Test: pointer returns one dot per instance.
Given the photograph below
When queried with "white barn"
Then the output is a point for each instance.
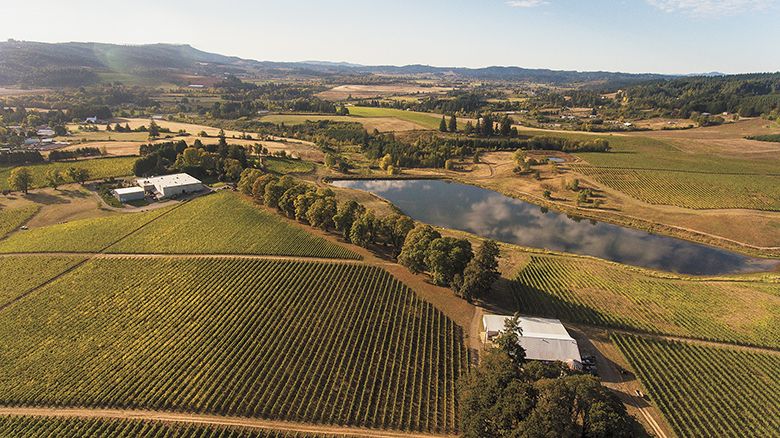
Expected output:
(543, 339)
(168, 186)
(127, 194)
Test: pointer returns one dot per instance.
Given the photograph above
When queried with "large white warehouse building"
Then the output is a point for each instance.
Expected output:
(543, 339)
(168, 186)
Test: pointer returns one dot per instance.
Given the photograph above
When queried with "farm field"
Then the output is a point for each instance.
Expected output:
(226, 223)
(33, 427)
(708, 391)
(426, 120)
(98, 168)
(691, 190)
(312, 342)
(610, 295)
(84, 235)
(284, 166)
(13, 218)
(18, 277)
(343, 92)
(382, 124)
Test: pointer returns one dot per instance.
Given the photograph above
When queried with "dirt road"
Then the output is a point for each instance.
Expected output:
(211, 420)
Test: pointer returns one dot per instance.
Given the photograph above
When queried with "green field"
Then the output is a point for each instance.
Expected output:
(21, 274)
(284, 166)
(98, 168)
(428, 120)
(312, 342)
(86, 235)
(34, 427)
(708, 391)
(226, 223)
(13, 218)
(610, 295)
(691, 190)
(299, 119)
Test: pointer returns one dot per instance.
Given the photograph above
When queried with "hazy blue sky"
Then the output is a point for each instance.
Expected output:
(668, 36)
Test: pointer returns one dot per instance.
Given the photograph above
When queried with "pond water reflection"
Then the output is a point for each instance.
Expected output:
(490, 214)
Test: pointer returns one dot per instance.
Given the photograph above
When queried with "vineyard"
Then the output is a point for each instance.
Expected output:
(332, 343)
(225, 223)
(34, 427)
(18, 277)
(86, 235)
(13, 218)
(691, 190)
(708, 391)
(604, 294)
(98, 168)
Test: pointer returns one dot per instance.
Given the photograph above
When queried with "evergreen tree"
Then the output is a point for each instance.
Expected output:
(443, 125)
(453, 125)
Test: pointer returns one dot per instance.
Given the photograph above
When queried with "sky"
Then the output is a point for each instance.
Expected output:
(659, 36)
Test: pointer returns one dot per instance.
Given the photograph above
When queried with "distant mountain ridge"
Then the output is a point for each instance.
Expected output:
(78, 63)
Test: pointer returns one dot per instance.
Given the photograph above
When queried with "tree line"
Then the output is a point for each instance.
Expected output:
(221, 161)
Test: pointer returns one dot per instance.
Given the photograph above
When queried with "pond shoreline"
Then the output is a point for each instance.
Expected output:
(617, 238)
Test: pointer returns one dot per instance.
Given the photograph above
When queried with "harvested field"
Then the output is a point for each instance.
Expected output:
(342, 92)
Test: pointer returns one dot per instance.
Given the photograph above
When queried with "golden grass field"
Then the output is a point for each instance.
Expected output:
(343, 92)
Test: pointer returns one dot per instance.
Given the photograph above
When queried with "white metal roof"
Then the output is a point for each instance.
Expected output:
(128, 190)
(542, 338)
(177, 179)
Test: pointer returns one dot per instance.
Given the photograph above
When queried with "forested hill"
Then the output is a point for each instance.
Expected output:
(75, 64)
(72, 64)
(746, 94)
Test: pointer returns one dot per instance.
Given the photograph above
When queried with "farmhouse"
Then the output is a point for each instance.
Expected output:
(129, 194)
(168, 186)
(543, 339)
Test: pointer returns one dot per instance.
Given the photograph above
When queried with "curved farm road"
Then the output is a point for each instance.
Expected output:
(209, 420)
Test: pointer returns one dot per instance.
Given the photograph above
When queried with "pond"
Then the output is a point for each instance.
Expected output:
(490, 214)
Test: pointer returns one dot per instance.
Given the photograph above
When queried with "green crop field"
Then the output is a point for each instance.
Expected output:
(226, 223)
(427, 120)
(283, 166)
(691, 190)
(708, 391)
(21, 274)
(98, 168)
(13, 218)
(86, 235)
(61, 427)
(313, 342)
(604, 294)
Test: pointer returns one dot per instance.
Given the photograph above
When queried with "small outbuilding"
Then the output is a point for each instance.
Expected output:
(543, 339)
(127, 194)
(168, 186)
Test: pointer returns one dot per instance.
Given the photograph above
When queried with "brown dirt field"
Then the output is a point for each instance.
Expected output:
(69, 202)
(18, 92)
(381, 124)
(342, 92)
(727, 139)
(115, 148)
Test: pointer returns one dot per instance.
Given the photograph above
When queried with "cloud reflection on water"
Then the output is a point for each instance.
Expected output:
(490, 214)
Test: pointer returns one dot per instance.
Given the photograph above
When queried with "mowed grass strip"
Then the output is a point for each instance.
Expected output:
(63, 427)
(98, 168)
(12, 218)
(21, 274)
(227, 223)
(708, 391)
(691, 190)
(85, 235)
(284, 166)
(604, 294)
(425, 120)
(302, 341)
